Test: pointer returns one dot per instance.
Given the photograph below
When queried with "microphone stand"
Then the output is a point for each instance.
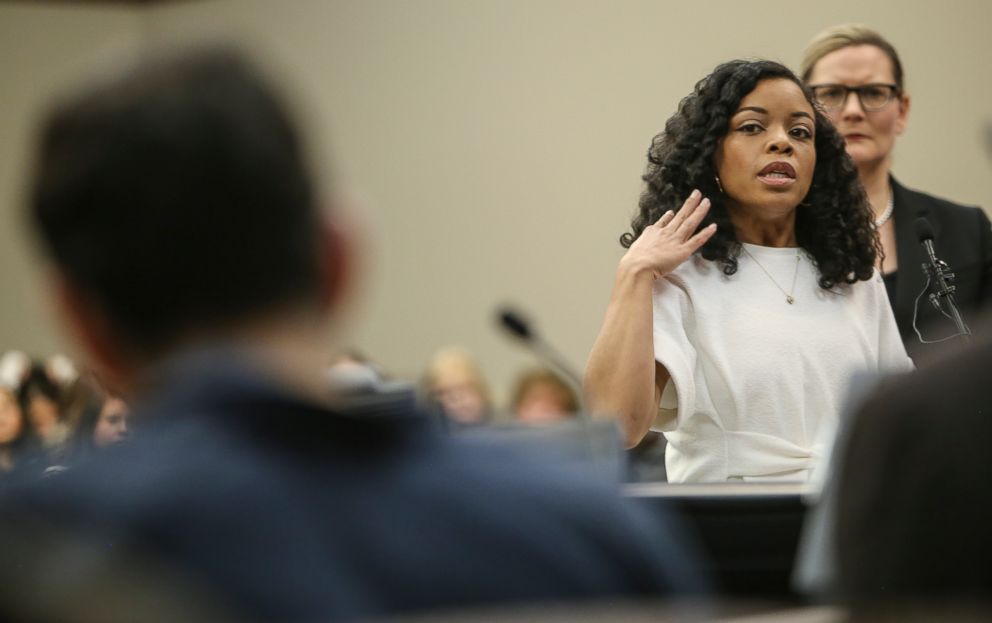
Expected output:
(941, 276)
(517, 326)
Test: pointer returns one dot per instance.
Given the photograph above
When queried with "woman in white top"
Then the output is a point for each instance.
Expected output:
(748, 296)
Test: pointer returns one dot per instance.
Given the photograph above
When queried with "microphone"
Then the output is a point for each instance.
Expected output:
(924, 233)
(939, 274)
(517, 326)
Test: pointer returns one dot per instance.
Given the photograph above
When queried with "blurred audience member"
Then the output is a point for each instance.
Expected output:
(77, 389)
(541, 397)
(41, 400)
(61, 370)
(16, 434)
(455, 382)
(359, 387)
(111, 423)
(248, 495)
(14, 368)
(350, 371)
(104, 422)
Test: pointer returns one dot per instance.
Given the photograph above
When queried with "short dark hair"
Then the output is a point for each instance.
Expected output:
(177, 196)
(833, 224)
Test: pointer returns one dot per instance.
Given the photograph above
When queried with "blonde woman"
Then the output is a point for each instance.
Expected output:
(857, 78)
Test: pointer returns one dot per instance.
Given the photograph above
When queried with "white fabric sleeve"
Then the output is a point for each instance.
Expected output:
(672, 349)
(892, 357)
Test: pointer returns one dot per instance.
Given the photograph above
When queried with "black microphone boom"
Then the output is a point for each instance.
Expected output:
(515, 324)
(518, 327)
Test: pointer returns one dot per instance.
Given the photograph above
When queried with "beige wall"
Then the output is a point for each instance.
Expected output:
(496, 145)
(41, 47)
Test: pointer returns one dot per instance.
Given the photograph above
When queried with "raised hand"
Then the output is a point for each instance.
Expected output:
(663, 246)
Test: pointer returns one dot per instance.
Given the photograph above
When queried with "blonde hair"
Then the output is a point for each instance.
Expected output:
(456, 362)
(843, 36)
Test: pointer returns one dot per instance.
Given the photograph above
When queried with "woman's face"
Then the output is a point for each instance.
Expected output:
(766, 160)
(870, 136)
(460, 397)
(11, 418)
(542, 404)
(111, 426)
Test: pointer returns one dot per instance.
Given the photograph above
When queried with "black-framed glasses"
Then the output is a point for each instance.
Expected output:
(873, 97)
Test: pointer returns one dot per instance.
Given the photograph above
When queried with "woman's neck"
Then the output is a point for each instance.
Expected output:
(875, 179)
(779, 232)
(6, 459)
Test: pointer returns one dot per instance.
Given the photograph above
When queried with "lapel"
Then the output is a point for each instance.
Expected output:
(907, 208)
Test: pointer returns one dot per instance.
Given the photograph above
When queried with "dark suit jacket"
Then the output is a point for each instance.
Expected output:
(239, 500)
(963, 239)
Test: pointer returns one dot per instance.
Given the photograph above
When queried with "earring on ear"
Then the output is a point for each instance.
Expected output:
(718, 184)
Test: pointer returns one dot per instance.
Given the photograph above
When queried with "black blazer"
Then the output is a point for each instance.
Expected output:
(963, 239)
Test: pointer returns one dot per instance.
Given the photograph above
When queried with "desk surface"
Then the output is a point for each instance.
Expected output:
(719, 489)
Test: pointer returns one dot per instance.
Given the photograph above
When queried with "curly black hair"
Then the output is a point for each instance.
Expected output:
(833, 223)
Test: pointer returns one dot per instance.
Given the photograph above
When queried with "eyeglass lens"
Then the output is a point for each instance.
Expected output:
(872, 96)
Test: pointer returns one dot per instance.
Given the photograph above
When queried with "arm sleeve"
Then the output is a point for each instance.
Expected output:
(672, 348)
(892, 357)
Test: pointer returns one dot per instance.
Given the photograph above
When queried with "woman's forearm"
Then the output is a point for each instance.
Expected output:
(621, 376)
(620, 373)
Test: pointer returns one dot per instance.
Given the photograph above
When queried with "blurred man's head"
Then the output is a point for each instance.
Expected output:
(176, 204)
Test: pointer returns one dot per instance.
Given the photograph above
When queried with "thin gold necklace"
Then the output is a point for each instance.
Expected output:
(789, 298)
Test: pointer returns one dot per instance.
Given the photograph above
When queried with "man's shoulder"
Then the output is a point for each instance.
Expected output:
(418, 520)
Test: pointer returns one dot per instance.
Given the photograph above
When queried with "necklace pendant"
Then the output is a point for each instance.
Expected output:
(790, 300)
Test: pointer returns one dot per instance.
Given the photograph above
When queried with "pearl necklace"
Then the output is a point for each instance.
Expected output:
(882, 220)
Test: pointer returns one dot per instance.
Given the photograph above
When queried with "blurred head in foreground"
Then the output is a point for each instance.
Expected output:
(176, 205)
(195, 269)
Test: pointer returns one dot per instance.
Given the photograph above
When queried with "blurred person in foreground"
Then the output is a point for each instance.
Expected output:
(748, 295)
(195, 269)
(857, 78)
(914, 505)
